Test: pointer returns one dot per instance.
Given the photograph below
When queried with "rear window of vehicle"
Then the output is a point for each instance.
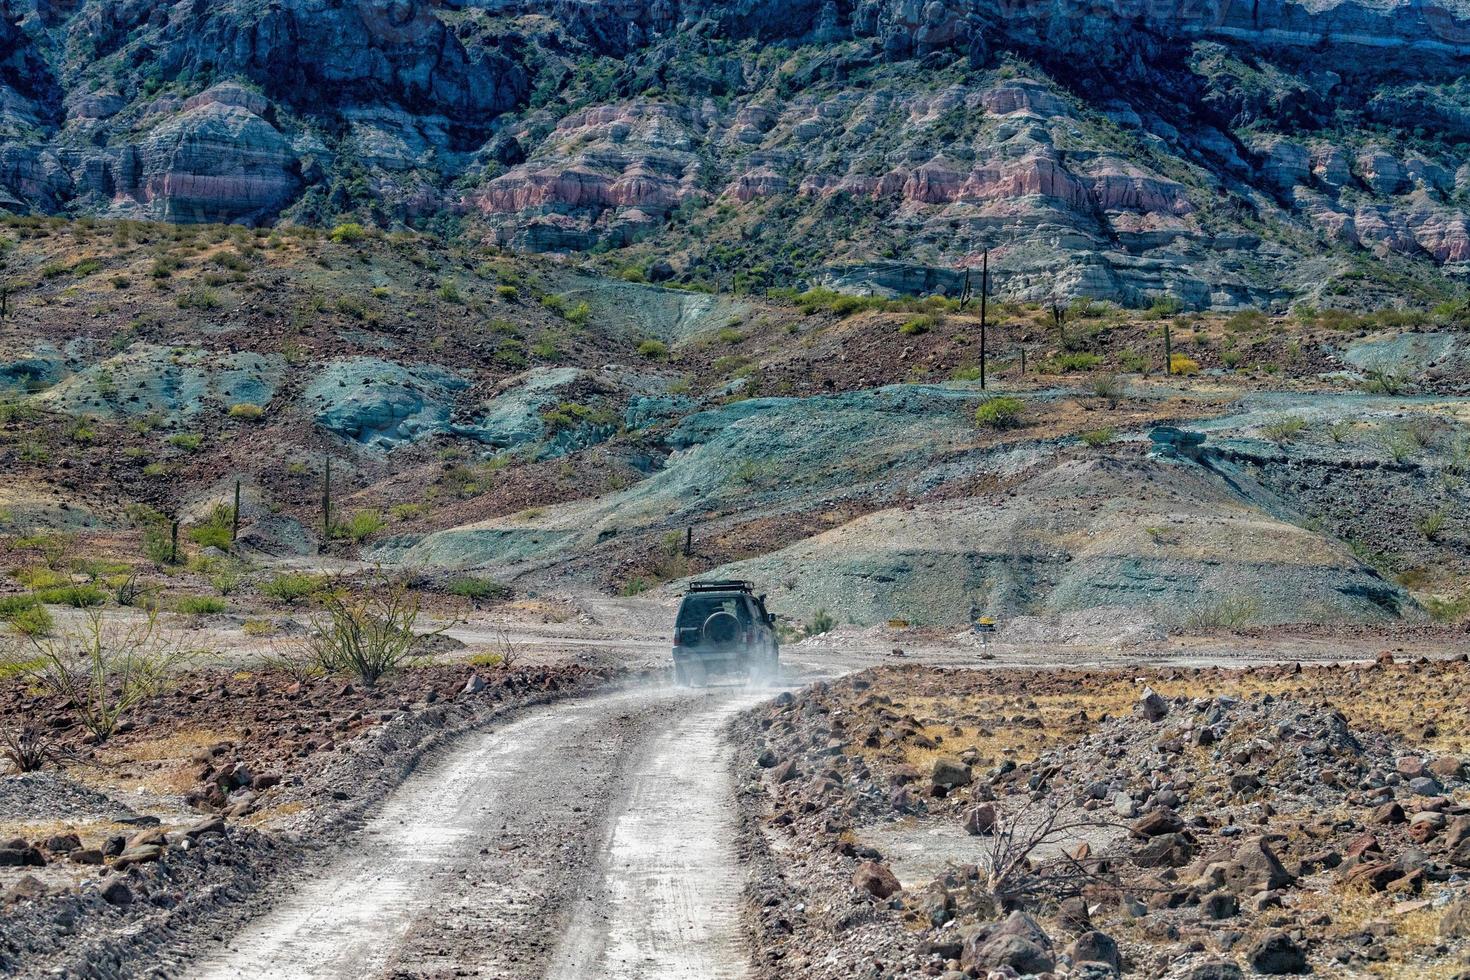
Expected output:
(698, 608)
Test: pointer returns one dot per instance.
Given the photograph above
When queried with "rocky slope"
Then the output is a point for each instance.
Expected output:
(1224, 156)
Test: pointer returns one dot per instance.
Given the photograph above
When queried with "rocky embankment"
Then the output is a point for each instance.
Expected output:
(918, 822)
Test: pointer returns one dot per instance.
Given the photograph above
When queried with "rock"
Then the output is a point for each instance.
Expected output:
(876, 880)
(1151, 707)
(1165, 851)
(86, 856)
(1218, 970)
(1455, 924)
(949, 774)
(21, 857)
(785, 772)
(1254, 867)
(1424, 826)
(1073, 916)
(27, 889)
(138, 855)
(1448, 767)
(1018, 943)
(1374, 876)
(63, 843)
(1219, 905)
(1096, 947)
(206, 827)
(474, 685)
(116, 892)
(1157, 822)
(980, 820)
(1387, 814)
(1277, 953)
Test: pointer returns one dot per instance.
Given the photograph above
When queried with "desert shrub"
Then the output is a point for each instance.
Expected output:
(1097, 438)
(1110, 388)
(360, 526)
(654, 350)
(1284, 428)
(579, 314)
(1247, 321)
(507, 292)
(367, 636)
(569, 415)
(288, 587)
(480, 589)
(449, 292)
(103, 669)
(32, 620)
(1000, 412)
(967, 373)
(821, 622)
(201, 605)
(200, 298)
(247, 412)
(919, 325)
(1431, 525)
(1067, 363)
(41, 578)
(76, 596)
(1385, 382)
(349, 232)
(187, 441)
(1227, 613)
(1183, 364)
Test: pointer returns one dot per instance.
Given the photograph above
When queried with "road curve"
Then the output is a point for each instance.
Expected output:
(591, 838)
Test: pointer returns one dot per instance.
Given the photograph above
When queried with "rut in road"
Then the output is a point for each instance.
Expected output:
(603, 820)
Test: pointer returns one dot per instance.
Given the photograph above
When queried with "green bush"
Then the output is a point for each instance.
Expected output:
(821, 622)
(360, 526)
(187, 441)
(480, 589)
(35, 621)
(654, 350)
(201, 605)
(247, 412)
(1097, 438)
(507, 292)
(919, 325)
(288, 587)
(77, 596)
(1068, 363)
(350, 231)
(215, 532)
(1001, 412)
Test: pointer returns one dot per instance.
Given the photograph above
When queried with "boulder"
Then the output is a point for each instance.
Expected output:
(980, 820)
(1275, 954)
(1018, 943)
(1096, 947)
(1157, 822)
(949, 774)
(876, 880)
(117, 892)
(1455, 924)
(1151, 707)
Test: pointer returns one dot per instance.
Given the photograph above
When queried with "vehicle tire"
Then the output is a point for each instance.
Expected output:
(721, 629)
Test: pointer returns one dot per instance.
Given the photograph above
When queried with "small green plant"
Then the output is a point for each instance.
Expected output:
(245, 411)
(187, 441)
(480, 589)
(919, 325)
(290, 587)
(201, 605)
(1000, 412)
(1069, 363)
(76, 596)
(508, 293)
(34, 620)
(654, 350)
(1226, 613)
(1110, 388)
(449, 292)
(1284, 429)
(201, 298)
(579, 315)
(1432, 525)
(820, 623)
(360, 526)
(1097, 438)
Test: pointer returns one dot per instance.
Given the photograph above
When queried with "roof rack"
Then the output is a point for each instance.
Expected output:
(732, 585)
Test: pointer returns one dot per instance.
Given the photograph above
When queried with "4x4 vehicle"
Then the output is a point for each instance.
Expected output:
(723, 628)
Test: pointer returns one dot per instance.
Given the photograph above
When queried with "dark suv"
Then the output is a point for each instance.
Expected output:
(724, 628)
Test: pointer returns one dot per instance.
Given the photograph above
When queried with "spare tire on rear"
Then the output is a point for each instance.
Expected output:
(720, 629)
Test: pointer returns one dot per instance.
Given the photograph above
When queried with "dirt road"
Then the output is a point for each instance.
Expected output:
(588, 839)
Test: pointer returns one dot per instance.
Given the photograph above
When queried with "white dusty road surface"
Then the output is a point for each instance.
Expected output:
(588, 839)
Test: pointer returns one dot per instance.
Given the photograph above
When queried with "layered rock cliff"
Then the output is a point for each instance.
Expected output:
(1221, 153)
